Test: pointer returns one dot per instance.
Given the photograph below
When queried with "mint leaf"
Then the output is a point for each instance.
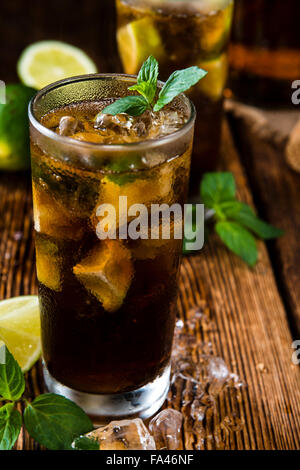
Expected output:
(85, 443)
(149, 71)
(238, 240)
(146, 86)
(12, 383)
(178, 82)
(144, 89)
(235, 220)
(54, 421)
(133, 105)
(10, 426)
(217, 187)
(242, 213)
(147, 79)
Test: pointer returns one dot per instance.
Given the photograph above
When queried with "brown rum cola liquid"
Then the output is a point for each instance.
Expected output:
(107, 307)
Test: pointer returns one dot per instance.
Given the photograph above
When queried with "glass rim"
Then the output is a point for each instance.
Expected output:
(134, 146)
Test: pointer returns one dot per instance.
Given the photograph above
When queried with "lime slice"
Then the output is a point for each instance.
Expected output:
(137, 41)
(45, 62)
(20, 329)
(213, 84)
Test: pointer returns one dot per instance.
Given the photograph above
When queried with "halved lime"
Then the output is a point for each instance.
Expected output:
(45, 62)
(14, 133)
(20, 329)
(137, 41)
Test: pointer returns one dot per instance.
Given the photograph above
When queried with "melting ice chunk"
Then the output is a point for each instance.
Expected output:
(166, 429)
(106, 272)
(140, 191)
(51, 217)
(128, 434)
(148, 125)
(120, 124)
(217, 374)
(69, 125)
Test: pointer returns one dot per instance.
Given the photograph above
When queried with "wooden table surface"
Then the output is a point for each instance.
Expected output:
(248, 317)
(236, 313)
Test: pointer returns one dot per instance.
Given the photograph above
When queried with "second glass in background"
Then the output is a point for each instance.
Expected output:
(182, 34)
(265, 51)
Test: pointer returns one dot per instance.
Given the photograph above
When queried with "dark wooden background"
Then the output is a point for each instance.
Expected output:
(248, 317)
(88, 24)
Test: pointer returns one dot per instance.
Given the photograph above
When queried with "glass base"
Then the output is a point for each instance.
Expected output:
(142, 403)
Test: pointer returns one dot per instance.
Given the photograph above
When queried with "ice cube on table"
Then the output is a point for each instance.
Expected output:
(217, 374)
(107, 272)
(52, 217)
(128, 434)
(68, 125)
(166, 428)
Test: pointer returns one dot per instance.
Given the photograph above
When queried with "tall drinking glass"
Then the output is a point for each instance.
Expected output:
(107, 305)
(182, 34)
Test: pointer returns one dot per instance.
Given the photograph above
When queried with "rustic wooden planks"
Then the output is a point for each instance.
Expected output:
(276, 190)
(242, 315)
(242, 319)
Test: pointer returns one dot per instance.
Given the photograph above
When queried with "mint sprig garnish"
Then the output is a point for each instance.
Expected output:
(132, 105)
(234, 221)
(147, 80)
(179, 82)
(52, 420)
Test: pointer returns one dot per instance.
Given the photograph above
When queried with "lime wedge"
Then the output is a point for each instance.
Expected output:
(213, 84)
(45, 62)
(20, 329)
(137, 41)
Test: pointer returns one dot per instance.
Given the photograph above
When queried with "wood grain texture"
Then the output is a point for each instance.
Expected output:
(89, 25)
(228, 310)
(276, 189)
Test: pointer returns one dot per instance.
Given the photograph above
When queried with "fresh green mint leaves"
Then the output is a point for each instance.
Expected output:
(12, 383)
(146, 86)
(10, 426)
(235, 222)
(86, 443)
(178, 82)
(52, 420)
(132, 105)
(147, 80)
